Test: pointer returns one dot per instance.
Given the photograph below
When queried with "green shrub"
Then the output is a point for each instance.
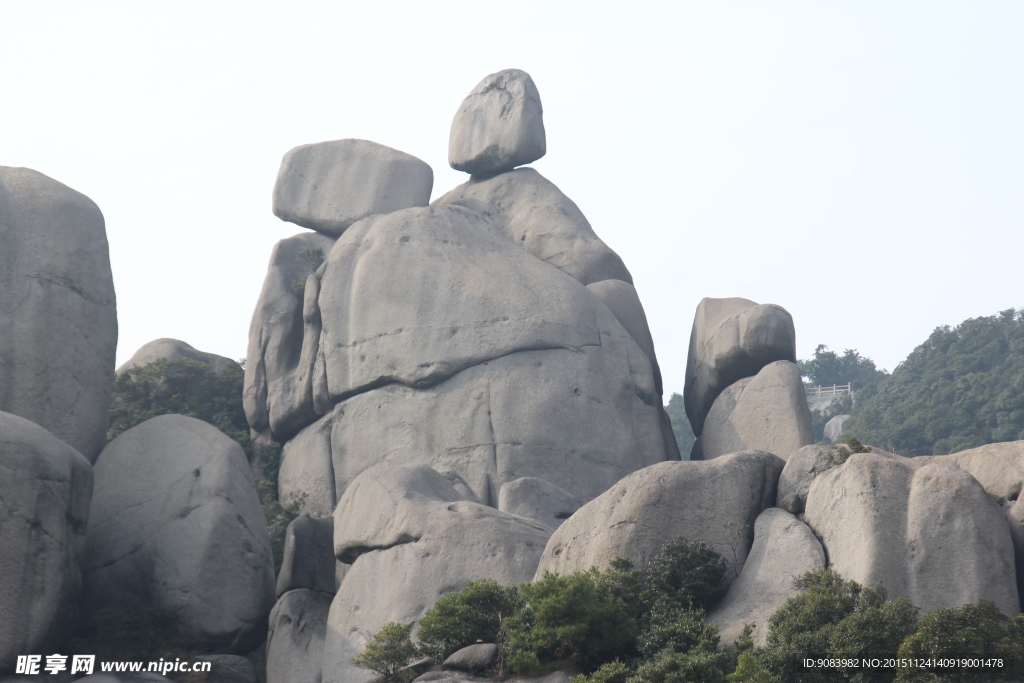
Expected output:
(572, 619)
(695, 666)
(685, 574)
(390, 650)
(749, 670)
(838, 456)
(676, 629)
(459, 619)
(612, 672)
(979, 630)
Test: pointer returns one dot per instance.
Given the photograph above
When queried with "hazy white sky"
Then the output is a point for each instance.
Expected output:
(859, 163)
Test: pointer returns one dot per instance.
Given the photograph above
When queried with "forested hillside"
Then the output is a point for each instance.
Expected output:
(963, 387)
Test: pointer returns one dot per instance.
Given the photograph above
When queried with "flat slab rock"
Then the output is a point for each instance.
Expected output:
(175, 522)
(328, 186)
(57, 309)
(498, 126)
(44, 504)
(645, 510)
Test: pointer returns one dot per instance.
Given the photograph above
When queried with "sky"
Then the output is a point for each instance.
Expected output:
(858, 163)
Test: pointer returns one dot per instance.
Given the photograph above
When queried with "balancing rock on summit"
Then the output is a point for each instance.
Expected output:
(498, 126)
(328, 186)
(58, 319)
(732, 339)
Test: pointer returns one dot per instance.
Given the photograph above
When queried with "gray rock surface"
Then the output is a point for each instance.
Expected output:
(766, 412)
(283, 340)
(929, 533)
(308, 559)
(306, 475)
(388, 505)
(461, 542)
(498, 126)
(229, 669)
(732, 339)
(575, 418)
(784, 549)
(295, 643)
(537, 499)
(328, 186)
(173, 349)
(534, 214)
(44, 504)
(175, 522)
(801, 469)
(715, 501)
(622, 299)
(57, 310)
(477, 657)
(834, 427)
(466, 295)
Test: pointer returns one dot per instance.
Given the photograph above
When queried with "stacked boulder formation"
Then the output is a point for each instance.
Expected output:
(449, 380)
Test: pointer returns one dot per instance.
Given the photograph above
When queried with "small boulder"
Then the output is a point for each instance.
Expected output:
(387, 505)
(295, 643)
(173, 349)
(732, 339)
(765, 412)
(328, 186)
(715, 501)
(44, 504)
(537, 499)
(927, 533)
(498, 126)
(834, 427)
(175, 522)
(784, 549)
(473, 658)
(308, 560)
(57, 310)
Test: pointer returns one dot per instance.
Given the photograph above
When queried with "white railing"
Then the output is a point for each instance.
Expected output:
(833, 390)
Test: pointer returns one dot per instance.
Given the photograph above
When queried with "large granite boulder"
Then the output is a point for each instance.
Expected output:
(537, 499)
(175, 522)
(44, 504)
(460, 542)
(765, 412)
(283, 339)
(58, 319)
(308, 558)
(499, 125)
(533, 213)
(715, 501)
(328, 186)
(306, 475)
(732, 339)
(581, 420)
(803, 466)
(295, 643)
(784, 549)
(624, 302)
(927, 533)
(173, 349)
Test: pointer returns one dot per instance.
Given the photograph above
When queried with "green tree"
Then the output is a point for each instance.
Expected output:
(685, 574)
(390, 650)
(474, 613)
(680, 425)
(827, 368)
(962, 388)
